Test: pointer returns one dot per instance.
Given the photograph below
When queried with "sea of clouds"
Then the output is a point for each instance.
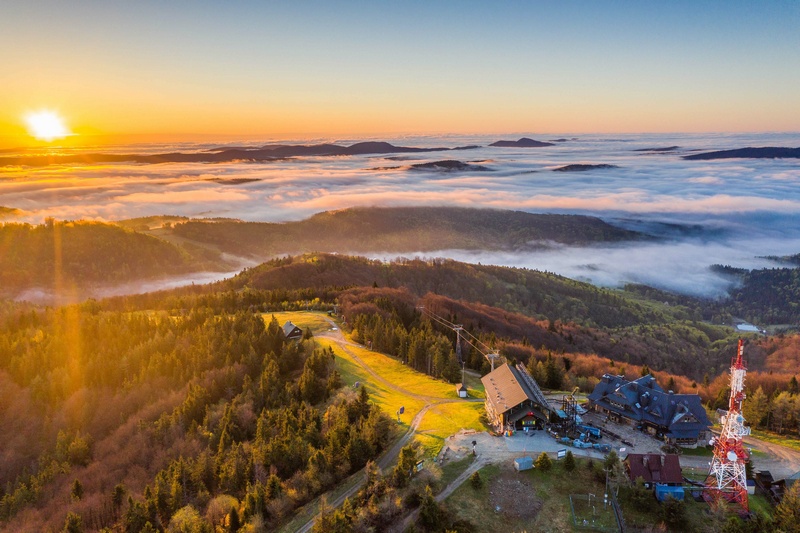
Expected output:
(731, 211)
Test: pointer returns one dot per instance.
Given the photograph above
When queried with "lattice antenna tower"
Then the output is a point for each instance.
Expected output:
(727, 479)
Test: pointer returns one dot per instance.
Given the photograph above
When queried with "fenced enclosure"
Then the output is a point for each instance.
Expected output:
(590, 513)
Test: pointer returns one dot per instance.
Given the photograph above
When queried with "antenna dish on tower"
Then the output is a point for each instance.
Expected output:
(727, 479)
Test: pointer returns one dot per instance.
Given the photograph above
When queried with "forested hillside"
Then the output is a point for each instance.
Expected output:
(765, 296)
(535, 308)
(125, 419)
(67, 255)
(535, 293)
(72, 260)
(77, 258)
(189, 405)
(402, 230)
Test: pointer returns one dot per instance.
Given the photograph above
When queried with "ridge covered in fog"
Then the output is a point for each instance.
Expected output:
(728, 211)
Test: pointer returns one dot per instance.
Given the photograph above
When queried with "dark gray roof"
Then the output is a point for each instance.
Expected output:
(289, 327)
(681, 415)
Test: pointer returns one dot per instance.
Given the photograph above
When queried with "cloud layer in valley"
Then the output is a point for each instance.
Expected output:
(746, 208)
(679, 265)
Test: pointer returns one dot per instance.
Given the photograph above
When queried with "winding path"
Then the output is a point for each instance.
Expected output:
(476, 465)
(338, 338)
(388, 457)
(781, 458)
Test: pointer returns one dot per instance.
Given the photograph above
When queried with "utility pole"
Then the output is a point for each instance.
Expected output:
(492, 356)
(459, 328)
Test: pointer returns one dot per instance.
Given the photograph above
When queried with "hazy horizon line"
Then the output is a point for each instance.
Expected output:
(110, 139)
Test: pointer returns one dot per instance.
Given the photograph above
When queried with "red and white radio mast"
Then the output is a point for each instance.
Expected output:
(726, 478)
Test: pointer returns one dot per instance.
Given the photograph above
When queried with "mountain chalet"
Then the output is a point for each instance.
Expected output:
(679, 419)
(514, 399)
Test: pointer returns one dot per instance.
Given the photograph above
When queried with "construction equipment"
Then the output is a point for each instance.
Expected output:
(590, 431)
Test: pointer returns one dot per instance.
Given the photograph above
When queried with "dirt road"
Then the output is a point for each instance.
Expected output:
(479, 463)
(388, 457)
(781, 461)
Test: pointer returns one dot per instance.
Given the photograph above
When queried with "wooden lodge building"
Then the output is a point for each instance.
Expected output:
(679, 419)
(292, 332)
(514, 399)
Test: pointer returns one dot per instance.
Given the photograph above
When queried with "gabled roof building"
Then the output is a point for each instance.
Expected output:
(514, 399)
(461, 390)
(292, 332)
(677, 418)
(659, 472)
(654, 468)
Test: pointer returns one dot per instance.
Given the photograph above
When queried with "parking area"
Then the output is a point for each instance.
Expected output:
(534, 442)
(502, 447)
(782, 462)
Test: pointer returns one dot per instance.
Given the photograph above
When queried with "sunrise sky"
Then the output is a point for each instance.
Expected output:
(150, 70)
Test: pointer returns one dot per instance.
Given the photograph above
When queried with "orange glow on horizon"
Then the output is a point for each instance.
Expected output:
(162, 122)
(46, 125)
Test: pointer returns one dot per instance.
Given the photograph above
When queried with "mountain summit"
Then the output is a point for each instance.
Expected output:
(523, 142)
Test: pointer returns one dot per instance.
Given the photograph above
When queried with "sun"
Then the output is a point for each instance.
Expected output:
(46, 125)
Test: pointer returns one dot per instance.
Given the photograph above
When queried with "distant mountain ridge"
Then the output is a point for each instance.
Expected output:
(401, 230)
(9, 212)
(67, 256)
(450, 165)
(223, 155)
(767, 152)
(660, 149)
(96, 255)
(582, 317)
(447, 165)
(524, 142)
(552, 295)
(581, 167)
